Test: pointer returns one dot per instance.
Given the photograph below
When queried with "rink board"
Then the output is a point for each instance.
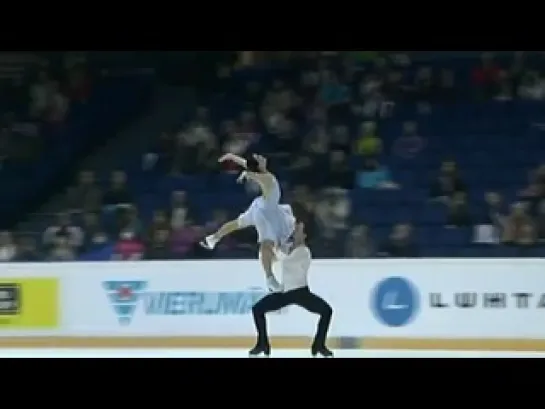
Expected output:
(277, 342)
(377, 304)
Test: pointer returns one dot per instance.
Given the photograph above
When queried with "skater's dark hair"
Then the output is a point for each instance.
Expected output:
(252, 164)
(302, 217)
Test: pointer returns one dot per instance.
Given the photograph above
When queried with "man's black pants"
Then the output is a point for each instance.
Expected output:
(302, 297)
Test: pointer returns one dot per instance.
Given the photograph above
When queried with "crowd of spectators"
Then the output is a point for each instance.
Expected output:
(36, 98)
(300, 121)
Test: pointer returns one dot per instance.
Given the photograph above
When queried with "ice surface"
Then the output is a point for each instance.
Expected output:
(236, 353)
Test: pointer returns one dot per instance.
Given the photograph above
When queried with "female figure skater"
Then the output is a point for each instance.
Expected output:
(295, 282)
(274, 222)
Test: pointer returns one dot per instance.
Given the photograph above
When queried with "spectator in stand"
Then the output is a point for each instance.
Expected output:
(369, 145)
(193, 149)
(281, 100)
(185, 238)
(527, 237)
(400, 244)
(61, 250)
(231, 142)
(285, 142)
(205, 141)
(372, 175)
(339, 174)
(486, 77)
(161, 155)
(63, 234)
(8, 249)
(306, 164)
(26, 251)
(447, 183)
(458, 214)
(369, 102)
(236, 141)
(128, 247)
(335, 96)
(275, 111)
(158, 223)
(332, 92)
(86, 195)
(341, 140)
(517, 224)
(180, 210)
(410, 143)
(118, 194)
(359, 244)
(535, 191)
(490, 229)
(128, 221)
(329, 243)
(248, 127)
(333, 210)
(159, 247)
(95, 235)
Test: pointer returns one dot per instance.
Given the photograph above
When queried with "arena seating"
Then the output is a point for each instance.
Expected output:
(495, 144)
(112, 102)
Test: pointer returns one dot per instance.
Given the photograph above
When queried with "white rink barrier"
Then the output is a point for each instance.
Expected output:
(422, 304)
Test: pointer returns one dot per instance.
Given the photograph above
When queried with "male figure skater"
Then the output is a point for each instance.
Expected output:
(295, 288)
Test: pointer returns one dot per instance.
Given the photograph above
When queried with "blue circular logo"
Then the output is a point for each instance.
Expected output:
(395, 301)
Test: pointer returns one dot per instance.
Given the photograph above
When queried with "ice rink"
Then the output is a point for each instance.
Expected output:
(234, 353)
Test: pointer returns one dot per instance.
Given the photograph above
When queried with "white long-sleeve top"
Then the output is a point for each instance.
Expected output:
(295, 267)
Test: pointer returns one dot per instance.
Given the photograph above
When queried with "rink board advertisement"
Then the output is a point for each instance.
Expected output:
(28, 304)
(374, 301)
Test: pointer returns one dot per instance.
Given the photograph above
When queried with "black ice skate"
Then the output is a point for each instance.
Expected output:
(321, 350)
(260, 349)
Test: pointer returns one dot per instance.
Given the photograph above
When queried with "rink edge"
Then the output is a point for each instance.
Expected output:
(151, 342)
(453, 344)
(515, 345)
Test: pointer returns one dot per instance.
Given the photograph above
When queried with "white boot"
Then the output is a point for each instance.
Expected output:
(209, 242)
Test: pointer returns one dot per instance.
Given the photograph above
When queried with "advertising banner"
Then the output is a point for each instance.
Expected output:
(376, 303)
(29, 303)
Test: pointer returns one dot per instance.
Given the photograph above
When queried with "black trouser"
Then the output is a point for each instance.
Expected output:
(301, 297)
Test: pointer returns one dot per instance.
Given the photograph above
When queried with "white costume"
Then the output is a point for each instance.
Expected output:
(272, 220)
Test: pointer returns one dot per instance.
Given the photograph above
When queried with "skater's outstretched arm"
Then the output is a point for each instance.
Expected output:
(263, 177)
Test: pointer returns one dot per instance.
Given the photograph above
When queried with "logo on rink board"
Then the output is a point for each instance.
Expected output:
(123, 296)
(10, 299)
(395, 301)
(128, 297)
